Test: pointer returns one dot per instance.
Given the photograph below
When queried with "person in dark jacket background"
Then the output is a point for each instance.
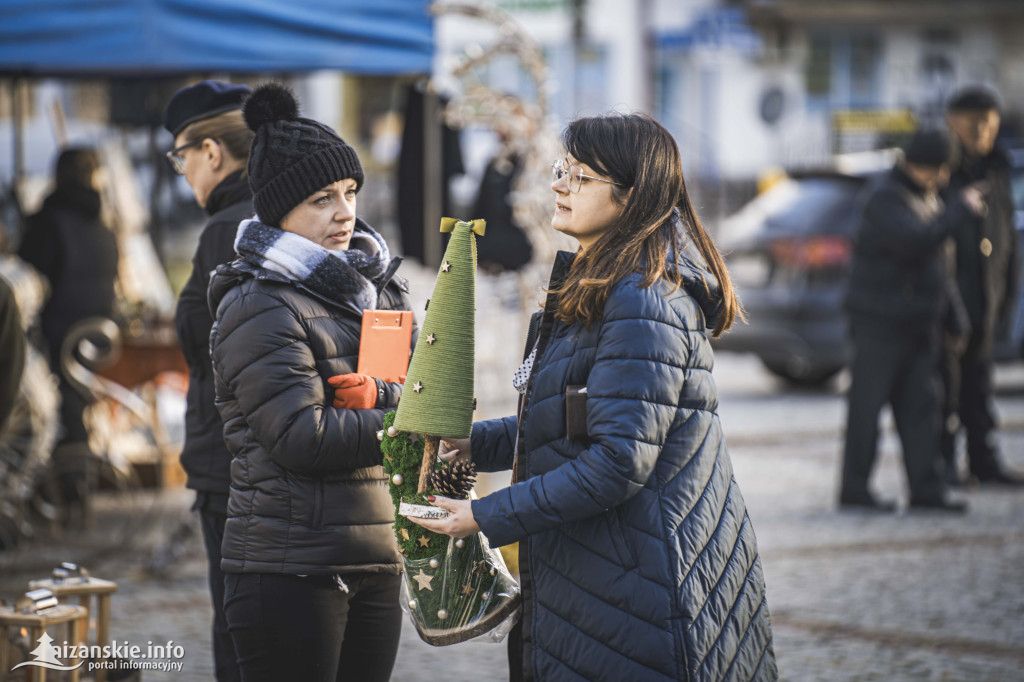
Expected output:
(312, 591)
(69, 244)
(898, 294)
(637, 556)
(507, 247)
(211, 148)
(987, 272)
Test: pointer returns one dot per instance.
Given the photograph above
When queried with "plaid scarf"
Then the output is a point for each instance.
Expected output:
(335, 274)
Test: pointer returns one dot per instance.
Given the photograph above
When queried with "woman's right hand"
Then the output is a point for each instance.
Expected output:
(455, 450)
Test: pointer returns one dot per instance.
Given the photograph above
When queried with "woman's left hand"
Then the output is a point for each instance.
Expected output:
(459, 523)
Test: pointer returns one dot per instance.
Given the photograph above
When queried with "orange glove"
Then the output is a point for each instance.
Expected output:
(354, 391)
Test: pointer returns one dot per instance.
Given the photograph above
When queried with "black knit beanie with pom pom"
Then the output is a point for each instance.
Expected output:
(291, 157)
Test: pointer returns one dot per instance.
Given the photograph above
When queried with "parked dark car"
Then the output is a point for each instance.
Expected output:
(789, 252)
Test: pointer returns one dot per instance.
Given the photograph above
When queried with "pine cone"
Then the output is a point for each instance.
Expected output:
(454, 480)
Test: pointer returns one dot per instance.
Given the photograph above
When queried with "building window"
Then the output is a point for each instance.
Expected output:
(818, 75)
(843, 71)
(581, 80)
(864, 68)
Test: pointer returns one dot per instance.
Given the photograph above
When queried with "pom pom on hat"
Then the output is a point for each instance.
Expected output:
(269, 103)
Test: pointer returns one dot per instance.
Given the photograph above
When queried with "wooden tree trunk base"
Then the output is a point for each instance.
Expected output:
(430, 447)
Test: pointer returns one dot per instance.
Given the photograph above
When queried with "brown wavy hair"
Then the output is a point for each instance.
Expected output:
(228, 129)
(641, 157)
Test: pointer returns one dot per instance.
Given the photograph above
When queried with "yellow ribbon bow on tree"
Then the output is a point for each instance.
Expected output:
(478, 226)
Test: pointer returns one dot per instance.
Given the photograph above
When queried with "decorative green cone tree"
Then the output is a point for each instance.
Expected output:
(458, 589)
(438, 398)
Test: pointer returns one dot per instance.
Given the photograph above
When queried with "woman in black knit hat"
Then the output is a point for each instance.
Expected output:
(312, 584)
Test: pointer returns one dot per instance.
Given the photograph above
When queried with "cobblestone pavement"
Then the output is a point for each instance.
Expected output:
(854, 597)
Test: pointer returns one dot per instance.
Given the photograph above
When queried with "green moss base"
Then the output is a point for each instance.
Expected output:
(403, 454)
(456, 593)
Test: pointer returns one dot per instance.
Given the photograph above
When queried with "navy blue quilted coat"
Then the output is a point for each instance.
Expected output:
(639, 561)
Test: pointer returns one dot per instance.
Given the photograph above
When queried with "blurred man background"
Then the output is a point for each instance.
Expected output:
(987, 268)
(898, 294)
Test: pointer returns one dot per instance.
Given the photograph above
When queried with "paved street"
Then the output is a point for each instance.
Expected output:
(853, 596)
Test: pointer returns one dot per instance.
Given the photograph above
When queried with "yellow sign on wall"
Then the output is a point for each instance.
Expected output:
(882, 121)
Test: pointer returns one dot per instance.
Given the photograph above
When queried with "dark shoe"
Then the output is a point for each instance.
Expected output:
(940, 504)
(865, 502)
(1001, 477)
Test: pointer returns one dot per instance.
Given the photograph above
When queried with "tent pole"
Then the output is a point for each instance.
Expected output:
(433, 179)
(19, 151)
(18, 147)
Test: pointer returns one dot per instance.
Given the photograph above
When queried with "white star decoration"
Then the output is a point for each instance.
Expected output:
(431, 339)
(423, 581)
(417, 387)
(446, 267)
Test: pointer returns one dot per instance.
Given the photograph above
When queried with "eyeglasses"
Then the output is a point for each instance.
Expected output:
(575, 175)
(177, 160)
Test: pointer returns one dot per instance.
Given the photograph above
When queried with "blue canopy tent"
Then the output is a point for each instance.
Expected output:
(150, 45)
(147, 37)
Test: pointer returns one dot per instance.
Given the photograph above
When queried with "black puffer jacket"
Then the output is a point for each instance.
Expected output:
(205, 458)
(308, 493)
(899, 272)
(638, 558)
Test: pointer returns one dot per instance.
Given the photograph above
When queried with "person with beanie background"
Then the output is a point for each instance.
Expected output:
(899, 291)
(211, 147)
(312, 586)
(987, 272)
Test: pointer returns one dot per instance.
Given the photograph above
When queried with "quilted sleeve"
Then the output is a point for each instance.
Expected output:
(262, 361)
(493, 444)
(633, 393)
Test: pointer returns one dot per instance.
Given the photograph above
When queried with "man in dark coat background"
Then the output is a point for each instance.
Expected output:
(898, 294)
(987, 272)
(211, 149)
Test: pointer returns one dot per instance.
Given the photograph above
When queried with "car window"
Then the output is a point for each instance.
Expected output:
(816, 205)
(793, 206)
(1017, 186)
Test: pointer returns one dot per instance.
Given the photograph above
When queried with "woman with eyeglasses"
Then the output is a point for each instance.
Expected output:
(211, 148)
(637, 556)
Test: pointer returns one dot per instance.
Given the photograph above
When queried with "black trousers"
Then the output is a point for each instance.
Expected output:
(73, 460)
(949, 398)
(968, 384)
(286, 627)
(225, 662)
(896, 366)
